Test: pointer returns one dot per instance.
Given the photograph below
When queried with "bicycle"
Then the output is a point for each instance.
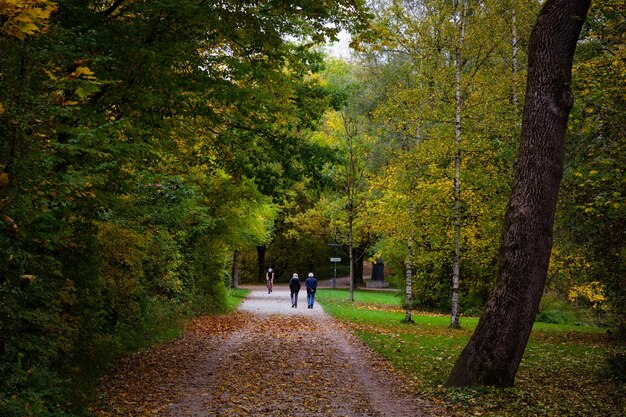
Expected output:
(269, 280)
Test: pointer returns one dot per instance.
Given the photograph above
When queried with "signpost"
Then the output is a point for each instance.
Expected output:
(334, 260)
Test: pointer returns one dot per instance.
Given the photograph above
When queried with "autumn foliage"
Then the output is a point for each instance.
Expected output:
(21, 18)
(142, 143)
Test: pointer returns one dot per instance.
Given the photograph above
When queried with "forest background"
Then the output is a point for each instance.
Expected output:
(150, 149)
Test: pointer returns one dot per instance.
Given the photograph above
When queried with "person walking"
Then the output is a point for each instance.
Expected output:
(294, 286)
(311, 288)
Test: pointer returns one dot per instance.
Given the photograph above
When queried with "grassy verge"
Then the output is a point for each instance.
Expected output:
(235, 297)
(564, 371)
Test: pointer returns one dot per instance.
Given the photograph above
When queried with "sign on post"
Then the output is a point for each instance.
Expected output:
(335, 259)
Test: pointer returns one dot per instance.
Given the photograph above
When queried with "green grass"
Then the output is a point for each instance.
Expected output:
(235, 297)
(564, 371)
(360, 296)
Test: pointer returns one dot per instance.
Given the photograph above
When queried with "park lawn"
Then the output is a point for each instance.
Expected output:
(564, 371)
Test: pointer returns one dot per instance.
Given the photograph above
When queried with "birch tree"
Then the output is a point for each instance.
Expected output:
(458, 68)
(454, 79)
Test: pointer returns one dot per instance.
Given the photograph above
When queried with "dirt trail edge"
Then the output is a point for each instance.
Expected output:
(267, 359)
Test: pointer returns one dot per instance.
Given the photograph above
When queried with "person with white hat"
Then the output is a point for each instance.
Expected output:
(294, 286)
(311, 288)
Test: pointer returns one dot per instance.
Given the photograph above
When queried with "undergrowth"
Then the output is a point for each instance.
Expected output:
(68, 391)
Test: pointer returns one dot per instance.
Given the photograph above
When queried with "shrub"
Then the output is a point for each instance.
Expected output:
(554, 308)
(557, 317)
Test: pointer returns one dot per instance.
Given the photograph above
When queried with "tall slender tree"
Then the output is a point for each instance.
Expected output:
(408, 317)
(461, 16)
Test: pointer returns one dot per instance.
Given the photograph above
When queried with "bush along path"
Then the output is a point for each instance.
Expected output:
(267, 359)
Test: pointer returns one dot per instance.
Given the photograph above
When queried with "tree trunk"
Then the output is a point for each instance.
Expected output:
(514, 63)
(409, 273)
(357, 259)
(16, 127)
(458, 64)
(351, 252)
(234, 283)
(494, 352)
(351, 214)
(260, 251)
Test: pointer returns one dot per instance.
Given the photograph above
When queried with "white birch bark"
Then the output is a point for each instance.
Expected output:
(409, 272)
(514, 62)
(350, 212)
(458, 64)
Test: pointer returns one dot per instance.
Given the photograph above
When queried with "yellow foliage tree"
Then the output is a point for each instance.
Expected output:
(593, 292)
(20, 18)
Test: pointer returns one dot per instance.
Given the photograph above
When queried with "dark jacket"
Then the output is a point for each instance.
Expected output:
(294, 284)
(311, 284)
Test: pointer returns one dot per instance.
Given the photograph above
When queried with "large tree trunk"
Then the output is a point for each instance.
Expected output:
(495, 350)
(260, 251)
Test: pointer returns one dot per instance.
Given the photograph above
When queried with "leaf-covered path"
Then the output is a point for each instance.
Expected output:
(267, 359)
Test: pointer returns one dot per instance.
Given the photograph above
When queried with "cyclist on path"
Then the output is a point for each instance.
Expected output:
(269, 279)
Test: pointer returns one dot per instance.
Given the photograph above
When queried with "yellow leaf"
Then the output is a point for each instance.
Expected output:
(82, 71)
(22, 18)
(51, 75)
(4, 179)
(28, 27)
(29, 278)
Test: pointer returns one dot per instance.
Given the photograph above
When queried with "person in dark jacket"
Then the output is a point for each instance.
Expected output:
(311, 288)
(294, 286)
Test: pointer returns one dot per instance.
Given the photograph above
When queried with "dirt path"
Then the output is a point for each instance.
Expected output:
(268, 359)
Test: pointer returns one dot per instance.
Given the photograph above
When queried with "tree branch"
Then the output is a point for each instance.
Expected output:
(116, 4)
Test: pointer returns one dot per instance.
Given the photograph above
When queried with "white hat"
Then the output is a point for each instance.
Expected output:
(295, 275)
(310, 274)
